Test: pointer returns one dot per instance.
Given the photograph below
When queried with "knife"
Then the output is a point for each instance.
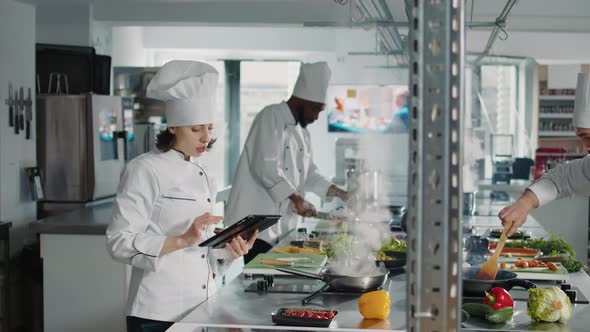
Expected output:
(21, 112)
(325, 215)
(10, 102)
(28, 114)
(15, 112)
(276, 262)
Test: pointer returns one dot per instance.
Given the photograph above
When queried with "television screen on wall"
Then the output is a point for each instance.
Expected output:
(366, 108)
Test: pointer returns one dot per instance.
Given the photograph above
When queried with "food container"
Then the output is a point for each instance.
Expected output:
(281, 317)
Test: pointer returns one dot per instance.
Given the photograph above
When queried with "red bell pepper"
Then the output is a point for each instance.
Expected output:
(498, 298)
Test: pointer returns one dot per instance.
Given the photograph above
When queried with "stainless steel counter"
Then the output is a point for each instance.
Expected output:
(90, 220)
(233, 309)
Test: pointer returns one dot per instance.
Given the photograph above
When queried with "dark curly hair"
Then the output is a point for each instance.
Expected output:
(165, 141)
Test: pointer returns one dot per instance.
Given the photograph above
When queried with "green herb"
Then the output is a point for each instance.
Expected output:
(554, 245)
(572, 264)
(394, 245)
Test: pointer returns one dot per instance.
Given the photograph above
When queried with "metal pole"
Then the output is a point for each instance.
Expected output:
(232, 118)
(436, 46)
(385, 23)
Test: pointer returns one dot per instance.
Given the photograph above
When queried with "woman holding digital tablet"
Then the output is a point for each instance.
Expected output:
(162, 211)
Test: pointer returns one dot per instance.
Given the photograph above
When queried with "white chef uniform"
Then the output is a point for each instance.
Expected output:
(571, 177)
(159, 195)
(277, 160)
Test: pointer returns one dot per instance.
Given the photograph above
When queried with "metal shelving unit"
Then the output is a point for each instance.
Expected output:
(436, 46)
(557, 134)
(557, 97)
(555, 116)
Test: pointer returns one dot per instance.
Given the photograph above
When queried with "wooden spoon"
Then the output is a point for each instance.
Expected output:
(490, 268)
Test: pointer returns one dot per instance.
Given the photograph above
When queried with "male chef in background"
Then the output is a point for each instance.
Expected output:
(564, 180)
(276, 167)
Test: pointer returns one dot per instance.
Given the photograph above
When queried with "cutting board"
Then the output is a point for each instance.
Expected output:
(539, 273)
(255, 266)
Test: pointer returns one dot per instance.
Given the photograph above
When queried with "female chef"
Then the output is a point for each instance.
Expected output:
(163, 206)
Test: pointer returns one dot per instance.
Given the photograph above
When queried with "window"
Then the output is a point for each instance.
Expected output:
(263, 84)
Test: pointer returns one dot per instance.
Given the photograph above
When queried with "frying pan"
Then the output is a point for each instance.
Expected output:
(341, 282)
(505, 279)
(399, 260)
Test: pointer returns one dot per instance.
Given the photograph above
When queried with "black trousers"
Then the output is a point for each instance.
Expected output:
(259, 247)
(136, 324)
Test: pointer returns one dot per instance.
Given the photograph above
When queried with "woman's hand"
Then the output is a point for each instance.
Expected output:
(518, 212)
(194, 233)
(237, 247)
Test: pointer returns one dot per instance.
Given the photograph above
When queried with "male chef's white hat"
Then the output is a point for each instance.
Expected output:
(312, 82)
(188, 90)
(582, 103)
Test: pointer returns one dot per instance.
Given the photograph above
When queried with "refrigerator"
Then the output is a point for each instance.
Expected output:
(82, 145)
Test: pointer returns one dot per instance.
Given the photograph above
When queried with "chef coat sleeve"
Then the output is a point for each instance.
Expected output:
(315, 182)
(265, 151)
(568, 179)
(128, 239)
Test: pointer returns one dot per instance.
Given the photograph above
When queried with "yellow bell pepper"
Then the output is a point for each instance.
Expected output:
(375, 305)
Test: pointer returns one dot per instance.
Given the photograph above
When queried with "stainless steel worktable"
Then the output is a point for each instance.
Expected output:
(234, 309)
(90, 220)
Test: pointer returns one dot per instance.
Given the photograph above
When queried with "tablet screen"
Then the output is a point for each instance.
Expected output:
(244, 228)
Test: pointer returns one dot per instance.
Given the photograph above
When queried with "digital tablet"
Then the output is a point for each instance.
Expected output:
(244, 228)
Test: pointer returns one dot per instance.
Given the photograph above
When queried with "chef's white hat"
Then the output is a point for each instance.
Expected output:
(582, 103)
(312, 82)
(188, 90)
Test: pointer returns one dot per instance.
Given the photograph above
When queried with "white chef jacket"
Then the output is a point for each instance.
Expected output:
(276, 162)
(565, 180)
(159, 195)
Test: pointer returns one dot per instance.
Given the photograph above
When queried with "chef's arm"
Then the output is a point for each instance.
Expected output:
(266, 158)
(128, 238)
(316, 182)
(563, 181)
(173, 243)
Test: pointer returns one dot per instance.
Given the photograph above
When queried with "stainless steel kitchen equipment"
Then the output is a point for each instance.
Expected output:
(80, 146)
(469, 203)
(501, 150)
(346, 158)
